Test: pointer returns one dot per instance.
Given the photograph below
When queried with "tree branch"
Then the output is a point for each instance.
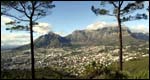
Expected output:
(135, 17)
(110, 15)
(36, 18)
(19, 10)
(38, 5)
(24, 10)
(114, 4)
(121, 3)
(33, 8)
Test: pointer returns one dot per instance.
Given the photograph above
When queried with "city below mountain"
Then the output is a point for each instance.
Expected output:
(75, 51)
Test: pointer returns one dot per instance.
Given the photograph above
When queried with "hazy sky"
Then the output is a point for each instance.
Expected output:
(66, 17)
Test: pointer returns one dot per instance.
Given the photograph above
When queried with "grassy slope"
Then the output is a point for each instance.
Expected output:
(136, 69)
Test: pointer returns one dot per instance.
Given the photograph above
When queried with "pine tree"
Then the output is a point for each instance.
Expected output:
(120, 11)
(29, 12)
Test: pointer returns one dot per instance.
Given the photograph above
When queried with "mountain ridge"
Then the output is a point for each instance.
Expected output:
(103, 36)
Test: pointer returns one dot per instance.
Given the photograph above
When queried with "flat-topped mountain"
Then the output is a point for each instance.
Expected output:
(102, 36)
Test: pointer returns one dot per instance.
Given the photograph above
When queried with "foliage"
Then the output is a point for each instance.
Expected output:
(16, 74)
(98, 71)
(134, 69)
(131, 70)
(142, 71)
(40, 73)
(103, 12)
(27, 11)
(124, 10)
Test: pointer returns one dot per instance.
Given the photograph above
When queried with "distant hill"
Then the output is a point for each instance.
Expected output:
(8, 47)
(142, 36)
(48, 40)
(51, 40)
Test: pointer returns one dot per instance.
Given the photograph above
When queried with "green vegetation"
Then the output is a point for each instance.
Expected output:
(43, 73)
(49, 73)
(96, 71)
(138, 68)
(16, 74)
(134, 69)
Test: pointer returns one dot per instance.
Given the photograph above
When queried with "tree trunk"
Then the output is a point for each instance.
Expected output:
(120, 40)
(32, 49)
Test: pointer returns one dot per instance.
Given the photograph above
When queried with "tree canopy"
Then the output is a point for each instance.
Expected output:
(25, 10)
(126, 8)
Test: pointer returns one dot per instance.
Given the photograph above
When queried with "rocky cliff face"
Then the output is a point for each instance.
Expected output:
(106, 35)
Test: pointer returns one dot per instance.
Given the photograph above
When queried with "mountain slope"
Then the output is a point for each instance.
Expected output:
(46, 41)
(51, 40)
(142, 36)
(103, 36)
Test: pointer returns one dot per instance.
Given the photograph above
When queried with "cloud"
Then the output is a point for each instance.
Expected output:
(147, 13)
(5, 19)
(14, 39)
(139, 28)
(99, 25)
(61, 33)
(42, 28)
